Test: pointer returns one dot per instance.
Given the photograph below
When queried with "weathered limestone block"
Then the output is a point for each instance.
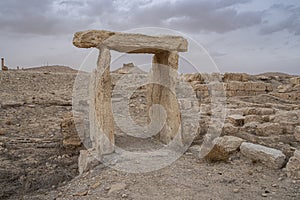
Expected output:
(259, 111)
(104, 122)
(269, 129)
(71, 139)
(235, 77)
(234, 86)
(229, 129)
(288, 117)
(258, 86)
(129, 42)
(164, 73)
(223, 147)
(87, 160)
(297, 133)
(231, 93)
(283, 88)
(253, 118)
(293, 166)
(193, 77)
(229, 143)
(237, 120)
(197, 86)
(290, 96)
(250, 127)
(270, 157)
(235, 111)
(295, 81)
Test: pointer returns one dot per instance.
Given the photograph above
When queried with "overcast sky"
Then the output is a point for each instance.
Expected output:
(241, 35)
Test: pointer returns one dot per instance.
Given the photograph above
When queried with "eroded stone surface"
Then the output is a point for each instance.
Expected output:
(71, 139)
(104, 123)
(129, 42)
(293, 166)
(162, 92)
(270, 157)
(87, 160)
(223, 147)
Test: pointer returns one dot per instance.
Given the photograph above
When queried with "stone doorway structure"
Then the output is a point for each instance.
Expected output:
(165, 50)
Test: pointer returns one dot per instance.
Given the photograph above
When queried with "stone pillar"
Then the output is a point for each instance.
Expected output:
(101, 116)
(164, 71)
(2, 63)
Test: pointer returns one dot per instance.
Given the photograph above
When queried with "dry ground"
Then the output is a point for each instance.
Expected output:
(34, 165)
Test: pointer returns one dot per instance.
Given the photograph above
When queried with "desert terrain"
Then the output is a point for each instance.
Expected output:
(39, 144)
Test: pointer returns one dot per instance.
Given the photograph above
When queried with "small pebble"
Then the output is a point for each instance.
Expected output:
(264, 195)
(124, 195)
(236, 190)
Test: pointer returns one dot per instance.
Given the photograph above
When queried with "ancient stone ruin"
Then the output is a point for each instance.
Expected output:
(165, 50)
(3, 67)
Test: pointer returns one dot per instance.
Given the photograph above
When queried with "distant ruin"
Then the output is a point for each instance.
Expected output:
(165, 50)
(3, 67)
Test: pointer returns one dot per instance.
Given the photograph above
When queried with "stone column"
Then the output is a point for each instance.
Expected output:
(164, 71)
(101, 116)
(2, 63)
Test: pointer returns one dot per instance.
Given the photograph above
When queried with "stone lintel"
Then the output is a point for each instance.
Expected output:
(129, 42)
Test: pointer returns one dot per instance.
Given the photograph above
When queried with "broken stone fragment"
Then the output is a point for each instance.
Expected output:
(270, 157)
(129, 42)
(229, 129)
(295, 81)
(293, 166)
(71, 138)
(87, 160)
(268, 129)
(237, 120)
(223, 147)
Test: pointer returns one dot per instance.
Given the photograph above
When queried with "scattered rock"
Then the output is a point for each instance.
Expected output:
(2, 131)
(95, 185)
(80, 194)
(283, 88)
(267, 129)
(124, 196)
(117, 187)
(270, 157)
(236, 190)
(295, 81)
(71, 139)
(229, 129)
(264, 195)
(237, 120)
(253, 118)
(229, 143)
(293, 166)
(223, 147)
(264, 78)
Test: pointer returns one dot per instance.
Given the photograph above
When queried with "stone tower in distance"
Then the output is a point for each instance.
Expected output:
(3, 67)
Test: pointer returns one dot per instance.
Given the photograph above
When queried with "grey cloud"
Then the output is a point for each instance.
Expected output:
(190, 15)
(290, 23)
(65, 16)
(40, 17)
